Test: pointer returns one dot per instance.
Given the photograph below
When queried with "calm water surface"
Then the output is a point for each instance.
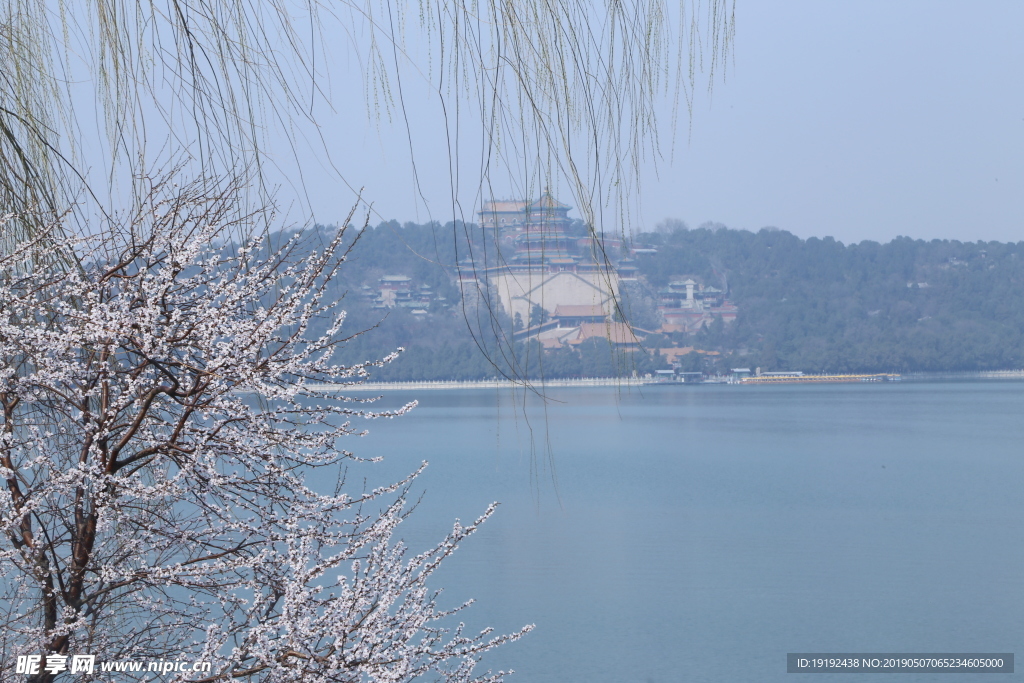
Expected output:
(701, 533)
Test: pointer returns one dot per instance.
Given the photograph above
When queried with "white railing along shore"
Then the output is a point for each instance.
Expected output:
(616, 382)
(482, 384)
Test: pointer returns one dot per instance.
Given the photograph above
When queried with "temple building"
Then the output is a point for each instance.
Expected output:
(686, 306)
(502, 214)
(514, 218)
(544, 263)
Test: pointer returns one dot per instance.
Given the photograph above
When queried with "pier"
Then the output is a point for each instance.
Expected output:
(798, 378)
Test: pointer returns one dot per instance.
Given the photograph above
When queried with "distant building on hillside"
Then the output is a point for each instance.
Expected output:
(515, 217)
(544, 263)
(574, 316)
(398, 291)
(519, 290)
(619, 335)
(686, 306)
(395, 290)
(502, 214)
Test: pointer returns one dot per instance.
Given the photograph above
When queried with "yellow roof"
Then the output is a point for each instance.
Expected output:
(546, 201)
(503, 206)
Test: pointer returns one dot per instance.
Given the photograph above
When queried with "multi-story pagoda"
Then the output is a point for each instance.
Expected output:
(544, 263)
(541, 237)
(514, 217)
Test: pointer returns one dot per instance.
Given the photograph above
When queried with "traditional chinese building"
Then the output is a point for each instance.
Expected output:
(686, 306)
(545, 264)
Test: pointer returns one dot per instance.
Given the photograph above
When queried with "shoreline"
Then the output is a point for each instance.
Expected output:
(433, 385)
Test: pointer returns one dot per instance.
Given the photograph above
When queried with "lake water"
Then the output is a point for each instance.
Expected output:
(699, 533)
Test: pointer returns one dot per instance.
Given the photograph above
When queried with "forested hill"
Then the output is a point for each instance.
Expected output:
(819, 305)
(815, 305)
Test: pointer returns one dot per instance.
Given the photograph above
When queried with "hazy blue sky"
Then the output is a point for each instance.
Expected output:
(859, 120)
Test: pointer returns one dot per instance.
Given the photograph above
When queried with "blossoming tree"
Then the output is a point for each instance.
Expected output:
(159, 436)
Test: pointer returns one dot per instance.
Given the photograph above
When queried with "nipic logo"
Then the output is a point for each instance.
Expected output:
(55, 664)
(29, 665)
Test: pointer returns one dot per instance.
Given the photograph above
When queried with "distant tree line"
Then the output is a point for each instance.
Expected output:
(815, 305)
(821, 306)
